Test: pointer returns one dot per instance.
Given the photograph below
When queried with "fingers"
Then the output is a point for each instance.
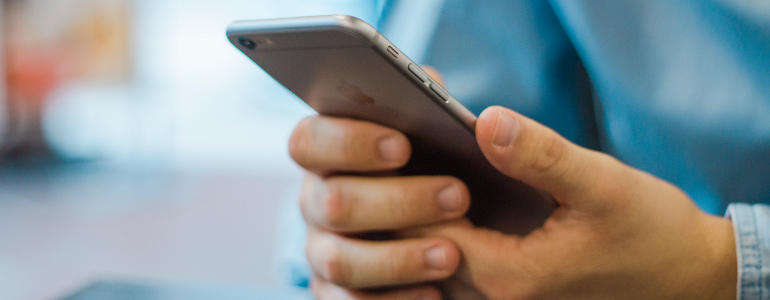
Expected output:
(526, 150)
(357, 204)
(361, 264)
(324, 144)
(324, 290)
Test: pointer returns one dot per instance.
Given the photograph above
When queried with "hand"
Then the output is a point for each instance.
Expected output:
(339, 208)
(618, 233)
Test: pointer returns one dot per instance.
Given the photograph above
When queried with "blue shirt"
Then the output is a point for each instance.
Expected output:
(680, 89)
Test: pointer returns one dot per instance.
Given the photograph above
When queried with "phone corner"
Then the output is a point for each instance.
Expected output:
(357, 25)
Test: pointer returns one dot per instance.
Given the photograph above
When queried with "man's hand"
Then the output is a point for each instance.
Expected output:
(337, 207)
(618, 232)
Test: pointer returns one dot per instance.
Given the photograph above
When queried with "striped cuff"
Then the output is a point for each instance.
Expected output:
(751, 225)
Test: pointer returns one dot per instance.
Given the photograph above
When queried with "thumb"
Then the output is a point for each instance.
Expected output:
(528, 151)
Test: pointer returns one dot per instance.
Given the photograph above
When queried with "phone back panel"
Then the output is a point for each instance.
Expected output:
(345, 70)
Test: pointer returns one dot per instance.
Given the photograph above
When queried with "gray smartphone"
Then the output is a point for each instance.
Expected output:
(341, 66)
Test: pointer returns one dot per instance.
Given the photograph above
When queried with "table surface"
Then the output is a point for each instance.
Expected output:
(64, 227)
(120, 290)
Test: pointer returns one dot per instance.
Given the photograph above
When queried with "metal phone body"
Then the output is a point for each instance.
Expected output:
(341, 66)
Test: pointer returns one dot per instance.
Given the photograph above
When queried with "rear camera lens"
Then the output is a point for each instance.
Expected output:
(247, 43)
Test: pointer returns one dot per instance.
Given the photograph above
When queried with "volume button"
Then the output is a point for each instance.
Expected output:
(417, 71)
(440, 91)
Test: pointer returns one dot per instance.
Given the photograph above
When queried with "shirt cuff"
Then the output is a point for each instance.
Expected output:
(751, 225)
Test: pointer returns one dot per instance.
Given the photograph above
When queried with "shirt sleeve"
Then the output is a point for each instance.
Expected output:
(751, 224)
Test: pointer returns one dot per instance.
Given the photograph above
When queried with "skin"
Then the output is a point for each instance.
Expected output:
(618, 232)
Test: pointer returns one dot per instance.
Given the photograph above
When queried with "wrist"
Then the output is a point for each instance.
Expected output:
(720, 269)
(707, 268)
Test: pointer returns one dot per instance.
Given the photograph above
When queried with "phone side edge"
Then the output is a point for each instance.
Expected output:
(453, 107)
(350, 24)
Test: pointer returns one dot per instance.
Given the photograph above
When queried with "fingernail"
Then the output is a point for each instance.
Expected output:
(449, 199)
(435, 258)
(391, 149)
(506, 130)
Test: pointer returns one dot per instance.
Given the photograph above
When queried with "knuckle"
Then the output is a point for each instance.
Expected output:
(334, 267)
(550, 155)
(335, 212)
(348, 147)
(396, 270)
(405, 264)
(405, 207)
(315, 287)
(311, 248)
(306, 197)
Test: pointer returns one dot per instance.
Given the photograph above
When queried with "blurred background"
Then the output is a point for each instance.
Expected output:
(137, 144)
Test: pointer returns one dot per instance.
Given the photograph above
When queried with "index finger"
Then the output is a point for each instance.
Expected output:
(323, 144)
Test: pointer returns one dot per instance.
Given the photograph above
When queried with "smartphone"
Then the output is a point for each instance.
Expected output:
(341, 66)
